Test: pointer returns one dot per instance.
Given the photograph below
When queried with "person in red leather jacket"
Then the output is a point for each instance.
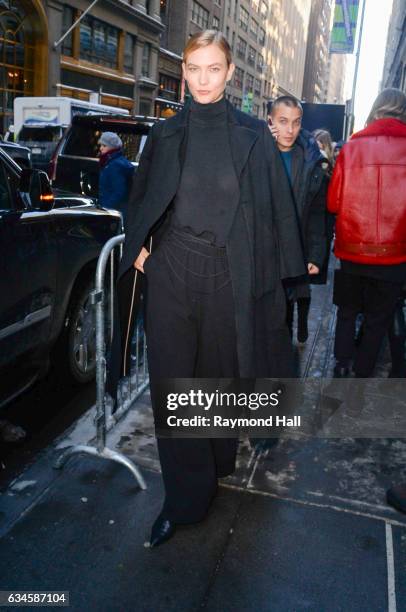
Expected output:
(367, 194)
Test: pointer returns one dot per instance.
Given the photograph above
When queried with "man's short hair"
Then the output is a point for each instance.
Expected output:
(290, 101)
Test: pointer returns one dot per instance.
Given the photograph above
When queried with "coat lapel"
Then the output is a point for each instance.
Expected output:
(241, 138)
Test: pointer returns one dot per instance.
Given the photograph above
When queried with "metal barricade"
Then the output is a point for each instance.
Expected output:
(104, 421)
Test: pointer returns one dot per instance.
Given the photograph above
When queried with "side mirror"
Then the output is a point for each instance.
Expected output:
(36, 185)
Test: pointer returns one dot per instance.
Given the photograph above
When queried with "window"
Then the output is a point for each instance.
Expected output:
(145, 107)
(237, 102)
(252, 55)
(255, 5)
(67, 21)
(249, 82)
(162, 9)
(146, 57)
(244, 18)
(262, 35)
(199, 15)
(98, 42)
(129, 53)
(233, 41)
(241, 48)
(41, 134)
(257, 87)
(229, 8)
(228, 34)
(238, 77)
(260, 64)
(169, 87)
(264, 9)
(254, 29)
(255, 110)
(216, 23)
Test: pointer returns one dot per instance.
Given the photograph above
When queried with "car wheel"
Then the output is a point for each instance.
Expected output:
(81, 336)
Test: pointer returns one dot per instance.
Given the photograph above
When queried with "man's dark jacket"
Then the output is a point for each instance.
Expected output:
(264, 243)
(309, 180)
(309, 185)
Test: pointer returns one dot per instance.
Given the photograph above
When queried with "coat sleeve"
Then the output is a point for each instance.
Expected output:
(291, 255)
(136, 197)
(336, 185)
(316, 239)
(140, 180)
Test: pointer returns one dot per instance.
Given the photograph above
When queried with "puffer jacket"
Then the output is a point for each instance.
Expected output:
(367, 193)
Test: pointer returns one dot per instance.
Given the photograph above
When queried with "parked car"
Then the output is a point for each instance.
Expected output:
(21, 155)
(42, 140)
(49, 245)
(75, 165)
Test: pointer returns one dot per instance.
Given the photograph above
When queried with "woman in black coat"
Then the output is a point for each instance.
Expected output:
(212, 197)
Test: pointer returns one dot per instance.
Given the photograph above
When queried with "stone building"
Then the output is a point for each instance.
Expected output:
(394, 72)
(113, 52)
(315, 80)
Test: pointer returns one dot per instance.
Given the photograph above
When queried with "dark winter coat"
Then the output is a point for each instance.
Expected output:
(115, 182)
(309, 184)
(264, 244)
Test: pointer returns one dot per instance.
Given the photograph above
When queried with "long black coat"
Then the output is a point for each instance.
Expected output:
(264, 244)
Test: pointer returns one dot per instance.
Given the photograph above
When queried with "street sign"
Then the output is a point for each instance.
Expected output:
(344, 26)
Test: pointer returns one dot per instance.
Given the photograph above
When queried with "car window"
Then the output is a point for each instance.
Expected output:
(83, 139)
(40, 134)
(5, 196)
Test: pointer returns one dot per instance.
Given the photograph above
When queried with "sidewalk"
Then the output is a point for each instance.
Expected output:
(301, 526)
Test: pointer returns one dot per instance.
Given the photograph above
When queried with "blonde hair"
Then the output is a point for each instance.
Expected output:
(206, 38)
(390, 102)
(324, 137)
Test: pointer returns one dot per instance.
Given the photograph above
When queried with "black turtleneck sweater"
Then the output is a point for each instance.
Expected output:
(208, 189)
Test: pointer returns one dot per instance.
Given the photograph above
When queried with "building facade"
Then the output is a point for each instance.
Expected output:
(394, 72)
(113, 52)
(335, 79)
(288, 32)
(245, 27)
(315, 80)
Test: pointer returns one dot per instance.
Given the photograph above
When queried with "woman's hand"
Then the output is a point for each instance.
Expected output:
(312, 268)
(140, 261)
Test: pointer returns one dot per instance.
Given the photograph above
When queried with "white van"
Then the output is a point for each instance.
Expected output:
(40, 122)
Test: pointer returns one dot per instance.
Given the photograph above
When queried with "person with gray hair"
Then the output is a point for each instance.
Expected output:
(116, 173)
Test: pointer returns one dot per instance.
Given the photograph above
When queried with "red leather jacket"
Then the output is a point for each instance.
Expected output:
(367, 192)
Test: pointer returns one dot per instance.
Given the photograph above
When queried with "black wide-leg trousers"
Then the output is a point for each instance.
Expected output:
(190, 327)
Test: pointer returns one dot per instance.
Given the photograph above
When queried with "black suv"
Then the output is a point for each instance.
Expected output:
(75, 165)
(49, 246)
(20, 154)
(42, 141)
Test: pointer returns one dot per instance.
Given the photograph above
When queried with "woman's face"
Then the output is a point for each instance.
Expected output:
(207, 73)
